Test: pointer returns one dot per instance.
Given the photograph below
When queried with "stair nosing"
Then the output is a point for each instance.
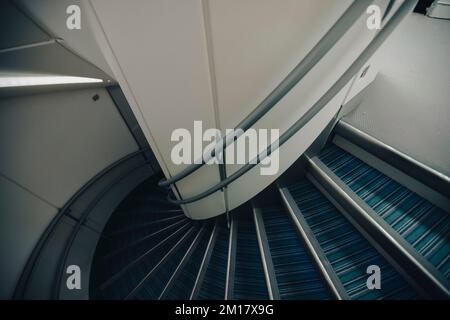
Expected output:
(313, 246)
(375, 221)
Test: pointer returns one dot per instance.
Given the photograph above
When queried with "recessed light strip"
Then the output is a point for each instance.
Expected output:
(11, 82)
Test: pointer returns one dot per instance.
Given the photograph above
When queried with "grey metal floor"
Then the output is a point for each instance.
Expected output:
(408, 105)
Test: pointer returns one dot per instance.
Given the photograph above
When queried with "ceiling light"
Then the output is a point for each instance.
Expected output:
(25, 81)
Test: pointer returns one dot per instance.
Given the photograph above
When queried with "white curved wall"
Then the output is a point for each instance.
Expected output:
(214, 61)
(51, 144)
(297, 102)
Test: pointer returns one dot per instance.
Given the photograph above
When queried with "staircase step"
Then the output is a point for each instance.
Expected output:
(424, 226)
(297, 276)
(182, 281)
(249, 280)
(152, 284)
(213, 285)
(349, 253)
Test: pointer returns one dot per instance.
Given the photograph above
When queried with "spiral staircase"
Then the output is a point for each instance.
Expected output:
(346, 207)
(304, 238)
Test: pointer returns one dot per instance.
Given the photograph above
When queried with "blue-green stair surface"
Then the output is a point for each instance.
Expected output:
(349, 253)
(423, 225)
(297, 276)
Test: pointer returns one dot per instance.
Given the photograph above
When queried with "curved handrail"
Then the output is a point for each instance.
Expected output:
(68, 245)
(403, 10)
(337, 31)
(31, 262)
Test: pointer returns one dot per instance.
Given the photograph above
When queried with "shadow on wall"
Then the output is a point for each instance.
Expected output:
(422, 6)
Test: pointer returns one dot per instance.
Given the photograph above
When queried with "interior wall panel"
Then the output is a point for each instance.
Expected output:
(23, 218)
(53, 143)
(256, 43)
(159, 56)
(51, 15)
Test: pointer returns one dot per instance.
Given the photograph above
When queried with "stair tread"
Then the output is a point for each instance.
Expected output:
(183, 285)
(297, 276)
(213, 285)
(423, 225)
(349, 261)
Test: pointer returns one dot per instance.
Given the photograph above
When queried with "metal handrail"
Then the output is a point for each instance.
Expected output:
(336, 32)
(32, 260)
(68, 245)
(380, 37)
